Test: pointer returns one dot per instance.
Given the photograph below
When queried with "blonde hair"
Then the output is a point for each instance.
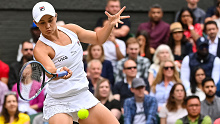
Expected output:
(97, 94)
(131, 40)
(90, 57)
(156, 59)
(160, 76)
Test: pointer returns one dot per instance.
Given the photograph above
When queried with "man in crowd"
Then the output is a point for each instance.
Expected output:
(120, 32)
(154, 26)
(211, 29)
(140, 109)
(27, 52)
(202, 58)
(193, 107)
(210, 106)
(133, 49)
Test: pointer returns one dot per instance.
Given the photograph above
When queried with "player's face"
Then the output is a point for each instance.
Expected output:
(113, 7)
(104, 89)
(96, 52)
(211, 30)
(163, 55)
(155, 14)
(209, 89)
(168, 69)
(133, 50)
(199, 76)
(11, 103)
(179, 93)
(47, 24)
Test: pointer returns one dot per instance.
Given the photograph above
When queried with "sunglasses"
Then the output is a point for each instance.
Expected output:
(28, 49)
(171, 67)
(128, 68)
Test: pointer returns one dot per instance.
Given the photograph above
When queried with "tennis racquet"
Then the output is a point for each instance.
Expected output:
(34, 72)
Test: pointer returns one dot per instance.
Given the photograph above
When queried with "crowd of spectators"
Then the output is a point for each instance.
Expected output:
(161, 74)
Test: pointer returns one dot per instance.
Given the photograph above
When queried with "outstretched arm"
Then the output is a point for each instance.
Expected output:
(100, 36)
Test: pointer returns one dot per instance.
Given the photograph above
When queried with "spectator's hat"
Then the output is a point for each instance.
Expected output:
(202, 41)
(33, 26)
(176, 27)
(137, 82)
(41, 9)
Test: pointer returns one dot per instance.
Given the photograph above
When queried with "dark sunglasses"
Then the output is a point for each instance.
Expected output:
(134, 67)
(28, 49)
(171, 67)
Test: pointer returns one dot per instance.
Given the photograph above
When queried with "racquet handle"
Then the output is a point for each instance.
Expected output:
(62, 73)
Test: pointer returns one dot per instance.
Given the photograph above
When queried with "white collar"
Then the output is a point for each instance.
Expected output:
(215, 41)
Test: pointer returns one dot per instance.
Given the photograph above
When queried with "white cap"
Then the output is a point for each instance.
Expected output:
(41, 9)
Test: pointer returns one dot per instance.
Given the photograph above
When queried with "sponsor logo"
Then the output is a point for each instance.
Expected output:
(42, 8)
(73, 52)
(62, 58)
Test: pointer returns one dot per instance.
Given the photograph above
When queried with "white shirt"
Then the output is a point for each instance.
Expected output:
(213, 46)
(198, 93)
(139, 117)
(185, 71)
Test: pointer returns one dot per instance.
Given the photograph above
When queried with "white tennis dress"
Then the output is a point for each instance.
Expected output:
(68, 95)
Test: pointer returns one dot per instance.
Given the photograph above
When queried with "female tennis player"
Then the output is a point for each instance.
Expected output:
(58, 49)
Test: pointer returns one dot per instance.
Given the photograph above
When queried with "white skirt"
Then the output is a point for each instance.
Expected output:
(69, 105)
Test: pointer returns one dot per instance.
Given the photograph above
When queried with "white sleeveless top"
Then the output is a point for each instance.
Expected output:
(71, 57)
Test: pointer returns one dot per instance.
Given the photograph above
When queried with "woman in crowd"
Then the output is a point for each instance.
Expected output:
(167, 76)
(178, 43)
(104, 95)
(97, 52)
(196, 78)
(175, 107)
(143, 39)
(192, 30)
(35, 105)
(10, 113)
(161, 54)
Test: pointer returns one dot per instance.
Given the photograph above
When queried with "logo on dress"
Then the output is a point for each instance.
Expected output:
(73, 52)
(62, 58)
(42, 8)
(78, 42)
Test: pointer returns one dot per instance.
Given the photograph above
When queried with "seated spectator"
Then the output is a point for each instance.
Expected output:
(122, 31)
(198, 74)
(4, 70)
(198, 12)
(193, 106)
(114, 49)
(154, 26)
(217, 121)
(202, 58)
(133, 49)
(192, 30)
(162, 54)
(35, 105)
(167, 76)
(212, 10)
(178, 43)
(15, 67)
(175, 107)
(210, 106)
(211, 29)
(145, 49)
(140, 109)
(94, 71)
(10, 113)
(121, 89)
(4, 89)
(104, 94)
(97, 52)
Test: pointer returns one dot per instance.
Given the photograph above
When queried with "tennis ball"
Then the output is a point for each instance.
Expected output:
(83, 113)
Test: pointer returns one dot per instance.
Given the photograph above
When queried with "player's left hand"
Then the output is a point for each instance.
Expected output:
(115, 19)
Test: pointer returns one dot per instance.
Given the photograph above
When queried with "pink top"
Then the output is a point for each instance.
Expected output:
(34, 88)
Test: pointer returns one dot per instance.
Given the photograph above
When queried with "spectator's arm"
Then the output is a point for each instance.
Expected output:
(216, 70)
(127, 112)
(152, 112)
(121, 32)
(185, 72)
